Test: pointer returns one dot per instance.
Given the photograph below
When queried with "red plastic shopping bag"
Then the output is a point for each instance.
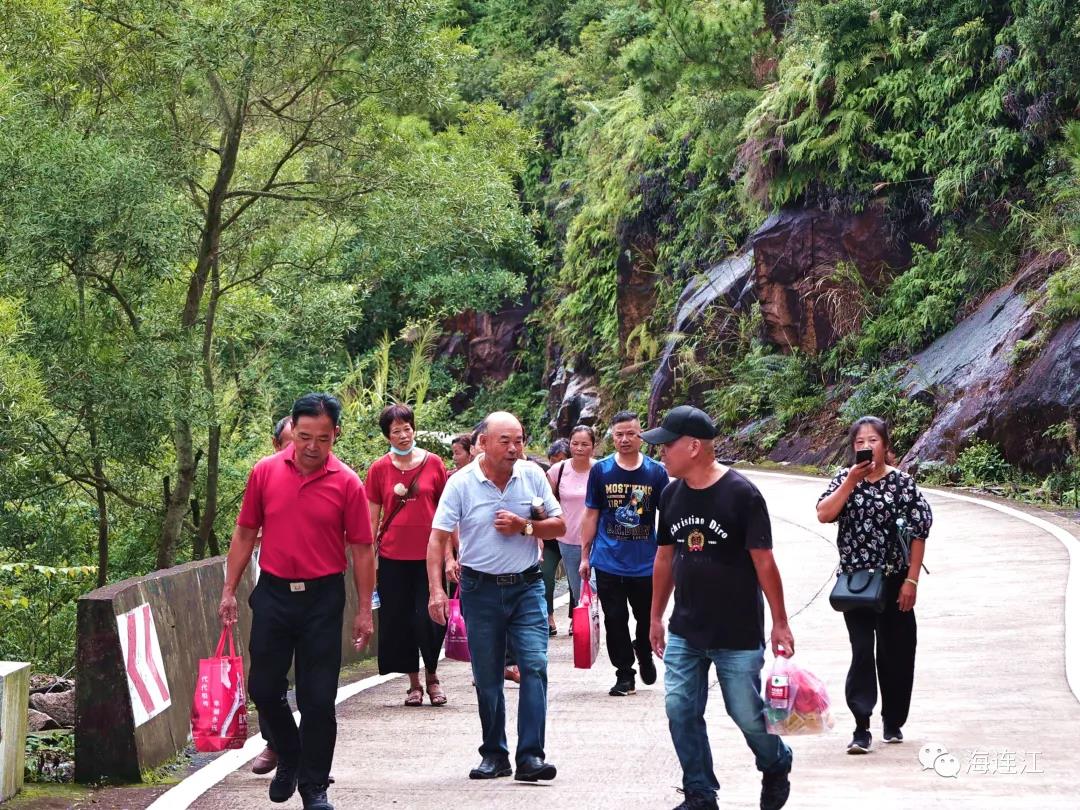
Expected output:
(586, 628)
(219, 708)
(796, 701)
(457, 640)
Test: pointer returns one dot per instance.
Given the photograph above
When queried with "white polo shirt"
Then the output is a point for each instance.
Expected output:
(469, 504)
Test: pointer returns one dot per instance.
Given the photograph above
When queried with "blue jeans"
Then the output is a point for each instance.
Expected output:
(686, 687)
(571, 557)
(492, 614)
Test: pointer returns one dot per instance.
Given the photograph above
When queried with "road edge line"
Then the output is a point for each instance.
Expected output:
(1071, 629)
(185, 792)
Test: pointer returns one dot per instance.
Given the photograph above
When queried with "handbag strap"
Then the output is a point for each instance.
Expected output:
(409, 492)
(558, 480)
(586, 591)
(226, 632)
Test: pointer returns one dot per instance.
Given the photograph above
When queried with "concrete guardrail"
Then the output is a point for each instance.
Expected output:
(138, 646)
(14, 699)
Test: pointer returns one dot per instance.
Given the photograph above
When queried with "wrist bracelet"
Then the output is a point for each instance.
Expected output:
(914, 582)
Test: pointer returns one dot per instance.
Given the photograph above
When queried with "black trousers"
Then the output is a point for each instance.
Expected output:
(304, 626)
(618, 597)
(895, 634)
(406, 631)
(264, 726)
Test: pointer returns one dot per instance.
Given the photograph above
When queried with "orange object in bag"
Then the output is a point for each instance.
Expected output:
(219, 707)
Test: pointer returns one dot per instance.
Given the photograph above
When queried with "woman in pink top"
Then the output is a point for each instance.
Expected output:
(404, 487)
(569, 480)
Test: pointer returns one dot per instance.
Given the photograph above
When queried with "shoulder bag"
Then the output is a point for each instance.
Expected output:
(402, 500)
(558, 479)
(865, 587)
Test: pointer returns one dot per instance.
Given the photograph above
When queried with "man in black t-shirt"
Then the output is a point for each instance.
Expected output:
(715, 550)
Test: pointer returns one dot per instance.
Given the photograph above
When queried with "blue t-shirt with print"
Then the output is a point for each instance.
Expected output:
(625, 543)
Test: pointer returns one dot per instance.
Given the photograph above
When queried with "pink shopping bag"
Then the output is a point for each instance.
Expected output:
(219, 708)
(457, 640)
(586, 628)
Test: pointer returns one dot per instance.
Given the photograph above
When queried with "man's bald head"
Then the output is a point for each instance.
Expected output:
(500, 420)
(502, 438)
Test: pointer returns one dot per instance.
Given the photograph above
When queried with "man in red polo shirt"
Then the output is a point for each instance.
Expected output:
(309, 506)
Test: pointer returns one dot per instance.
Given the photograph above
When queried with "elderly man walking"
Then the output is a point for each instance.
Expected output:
(310, 507)
(500, 504)
(716, 554)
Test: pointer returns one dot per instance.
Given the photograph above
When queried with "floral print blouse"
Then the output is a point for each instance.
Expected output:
(867, 536)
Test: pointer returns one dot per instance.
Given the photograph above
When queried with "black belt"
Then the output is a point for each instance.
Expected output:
(298, 585)
(529, 575)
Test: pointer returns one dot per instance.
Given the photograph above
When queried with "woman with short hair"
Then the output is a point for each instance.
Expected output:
(404, 487)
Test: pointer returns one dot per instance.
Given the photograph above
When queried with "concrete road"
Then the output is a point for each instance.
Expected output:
(990, 688)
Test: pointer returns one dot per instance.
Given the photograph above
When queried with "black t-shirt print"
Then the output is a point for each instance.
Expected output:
(718, 600)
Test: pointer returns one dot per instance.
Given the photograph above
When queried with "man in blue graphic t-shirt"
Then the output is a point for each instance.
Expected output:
(618, 539)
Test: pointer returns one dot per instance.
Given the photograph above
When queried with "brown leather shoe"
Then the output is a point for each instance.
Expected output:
(264, 762)
(512, 674)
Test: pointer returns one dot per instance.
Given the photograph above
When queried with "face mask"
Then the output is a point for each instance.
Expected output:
(398, 452)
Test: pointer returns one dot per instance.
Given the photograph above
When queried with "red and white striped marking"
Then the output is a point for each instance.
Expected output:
(142, 660)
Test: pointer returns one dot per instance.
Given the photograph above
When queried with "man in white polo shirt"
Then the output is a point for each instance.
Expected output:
(501, 588)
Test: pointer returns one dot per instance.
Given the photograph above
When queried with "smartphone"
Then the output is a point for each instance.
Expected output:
(866, 454)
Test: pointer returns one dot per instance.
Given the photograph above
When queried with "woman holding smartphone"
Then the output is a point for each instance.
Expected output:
(867, 500)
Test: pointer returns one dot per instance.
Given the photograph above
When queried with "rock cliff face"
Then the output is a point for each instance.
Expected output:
(727, 284)
(995, 376)
(486, 342)
(574, 399)
(636, 291)
(984, 386)
(806, 303)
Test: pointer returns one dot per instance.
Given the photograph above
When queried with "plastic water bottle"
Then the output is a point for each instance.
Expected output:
(375, 599)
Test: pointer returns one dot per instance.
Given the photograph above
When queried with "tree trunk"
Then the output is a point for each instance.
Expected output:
(97, 463)
(177, 504)
(206, 260)
(206, 525)
(102, 510)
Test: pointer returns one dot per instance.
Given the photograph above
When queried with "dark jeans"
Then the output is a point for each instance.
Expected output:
(305, 625)
(895, 633)
(406, 631)
(492, 614)
(616, 594)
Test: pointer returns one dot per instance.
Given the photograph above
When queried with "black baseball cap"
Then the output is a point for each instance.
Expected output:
(684, 420)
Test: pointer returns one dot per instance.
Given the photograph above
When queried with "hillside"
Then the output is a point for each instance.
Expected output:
(793, 214)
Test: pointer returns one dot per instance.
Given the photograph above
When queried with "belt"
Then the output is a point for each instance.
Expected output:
(529, 575)
(297, 585)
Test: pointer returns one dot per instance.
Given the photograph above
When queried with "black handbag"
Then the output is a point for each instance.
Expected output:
(864, 588)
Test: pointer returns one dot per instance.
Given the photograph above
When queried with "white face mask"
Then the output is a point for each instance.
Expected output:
(398, 452)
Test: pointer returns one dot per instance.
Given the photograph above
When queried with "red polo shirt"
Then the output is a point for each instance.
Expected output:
(305, 520)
